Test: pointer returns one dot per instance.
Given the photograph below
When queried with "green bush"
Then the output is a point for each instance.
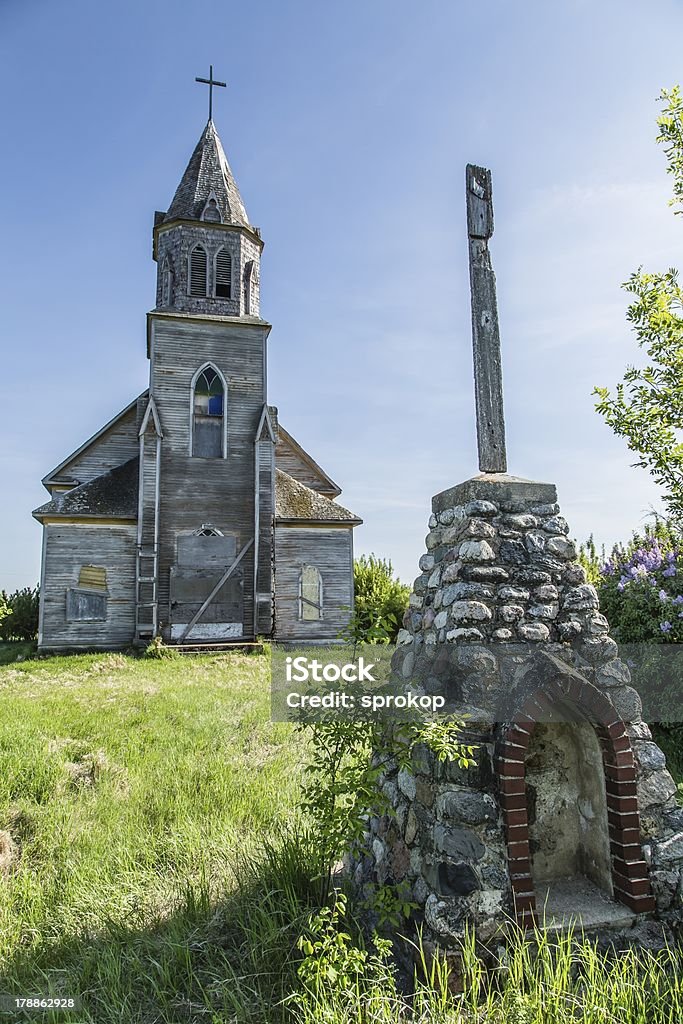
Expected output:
(641, 586)
(641, 592)
(380, 600)
(19, 614)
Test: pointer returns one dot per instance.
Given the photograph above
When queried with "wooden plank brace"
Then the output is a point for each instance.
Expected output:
(224, 578)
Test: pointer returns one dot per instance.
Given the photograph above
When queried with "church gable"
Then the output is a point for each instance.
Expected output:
(114, 444)
(294, 460)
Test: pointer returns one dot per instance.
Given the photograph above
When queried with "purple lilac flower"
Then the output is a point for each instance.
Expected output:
(671, 571)
(663, 596)
(678, 599)
(665, 627)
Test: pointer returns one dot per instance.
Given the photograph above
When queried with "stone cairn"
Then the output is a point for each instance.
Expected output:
(502, 621)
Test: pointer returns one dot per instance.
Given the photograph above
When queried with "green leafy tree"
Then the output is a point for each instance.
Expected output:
(589, 559)
(22, 621)
(379, 601)
(646, 408)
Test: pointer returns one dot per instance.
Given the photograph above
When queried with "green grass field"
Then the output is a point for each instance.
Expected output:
(153, 865)
(132, 793)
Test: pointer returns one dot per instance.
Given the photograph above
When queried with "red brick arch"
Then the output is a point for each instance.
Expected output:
(629, 870)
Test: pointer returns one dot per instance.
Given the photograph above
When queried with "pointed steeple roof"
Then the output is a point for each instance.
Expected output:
(207, 176)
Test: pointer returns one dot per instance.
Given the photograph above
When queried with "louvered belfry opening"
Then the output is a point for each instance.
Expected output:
(223, 285)
(198, 276)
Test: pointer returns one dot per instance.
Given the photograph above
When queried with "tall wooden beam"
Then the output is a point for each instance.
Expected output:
(488, 377)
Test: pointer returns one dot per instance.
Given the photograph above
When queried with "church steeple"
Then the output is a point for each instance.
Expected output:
(207, 251)
(208, 177)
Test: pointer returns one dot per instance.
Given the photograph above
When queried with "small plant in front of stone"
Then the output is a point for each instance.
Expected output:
(442, 738)
(342, 784)
(391, 904)
(336, 967)
(158, 650)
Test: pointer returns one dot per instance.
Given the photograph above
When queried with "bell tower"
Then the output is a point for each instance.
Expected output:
(207, 474)
(208, 254)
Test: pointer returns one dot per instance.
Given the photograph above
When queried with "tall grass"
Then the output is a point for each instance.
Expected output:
(537, 980)
(152, 863)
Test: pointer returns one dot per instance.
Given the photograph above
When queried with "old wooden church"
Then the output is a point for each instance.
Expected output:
(193, 514)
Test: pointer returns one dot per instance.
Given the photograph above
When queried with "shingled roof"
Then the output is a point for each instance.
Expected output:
(112, 495)
(207, 173)
(293, 500)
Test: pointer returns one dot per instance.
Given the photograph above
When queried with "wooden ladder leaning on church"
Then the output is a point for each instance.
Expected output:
(147, 562)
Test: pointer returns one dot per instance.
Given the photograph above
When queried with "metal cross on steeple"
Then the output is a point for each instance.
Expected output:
(488, 377)
(210, 81)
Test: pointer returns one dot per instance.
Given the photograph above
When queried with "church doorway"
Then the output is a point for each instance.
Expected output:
(204, 604)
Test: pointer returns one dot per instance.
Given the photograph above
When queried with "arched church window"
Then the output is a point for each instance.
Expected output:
(166, 284)
(198, 271)
(223, 275)
(208, 415)
(248, 274)
(310, 593)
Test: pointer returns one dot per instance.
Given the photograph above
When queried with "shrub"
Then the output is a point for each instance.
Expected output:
(641, 586)
(159, 651)
(380, 600)
(22, 621)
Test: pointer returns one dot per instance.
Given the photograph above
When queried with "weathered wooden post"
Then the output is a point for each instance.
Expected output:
(488, 376)
(570, 811)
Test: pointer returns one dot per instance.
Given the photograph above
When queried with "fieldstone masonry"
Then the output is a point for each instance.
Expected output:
(568, 782)
(570, 810)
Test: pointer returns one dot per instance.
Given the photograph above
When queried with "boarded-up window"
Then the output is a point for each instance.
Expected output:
(223, 285)
(93, 577)
(198, 276)
(208, 411)
(85, 606)
(310, 593)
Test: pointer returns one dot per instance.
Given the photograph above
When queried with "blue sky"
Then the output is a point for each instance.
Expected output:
(348, 127)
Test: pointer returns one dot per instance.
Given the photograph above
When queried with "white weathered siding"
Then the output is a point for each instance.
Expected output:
(198, 490)
(116, 446)
(290, 461)
(68, 546)
(331, 551)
